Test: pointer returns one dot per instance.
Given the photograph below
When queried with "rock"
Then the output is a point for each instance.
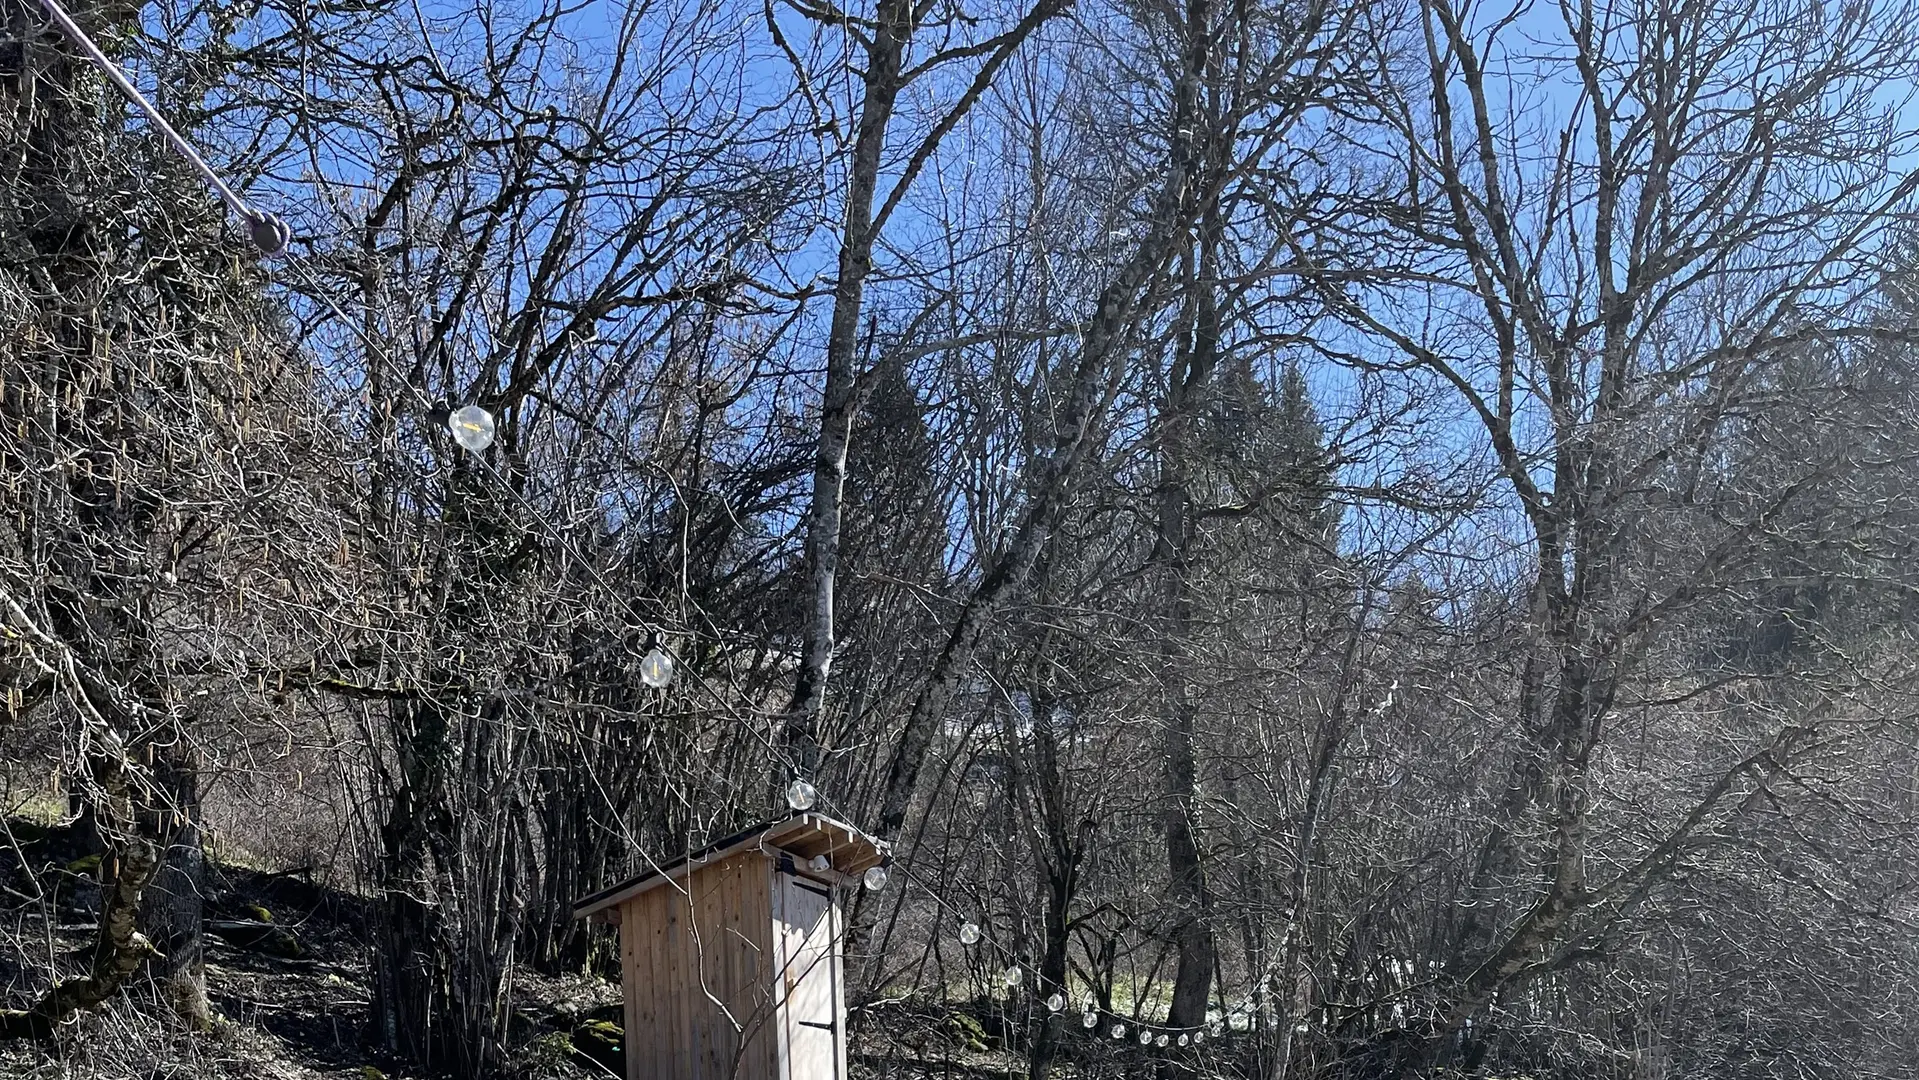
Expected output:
(966, 1031)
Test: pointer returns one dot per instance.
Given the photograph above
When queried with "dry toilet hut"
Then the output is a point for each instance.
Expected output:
(730, 958)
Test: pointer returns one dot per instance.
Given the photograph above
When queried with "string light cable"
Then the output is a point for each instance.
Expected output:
(473, 428)
(801, 795)
(267, 231)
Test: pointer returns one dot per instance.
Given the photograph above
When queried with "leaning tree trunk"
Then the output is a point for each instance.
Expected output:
(893, 27)
(119, 949)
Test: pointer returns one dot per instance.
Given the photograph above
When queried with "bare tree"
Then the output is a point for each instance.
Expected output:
(1606, 283)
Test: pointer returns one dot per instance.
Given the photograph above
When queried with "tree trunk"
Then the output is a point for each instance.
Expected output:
(413, 1012)
(172, 911)
(893, 29)
(1187, 895)
(1052, 969)
(1059, 848)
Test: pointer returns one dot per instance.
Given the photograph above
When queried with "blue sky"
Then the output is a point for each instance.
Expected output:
(974, 182)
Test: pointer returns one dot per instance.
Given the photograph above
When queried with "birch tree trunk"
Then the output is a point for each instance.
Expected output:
(894, 23)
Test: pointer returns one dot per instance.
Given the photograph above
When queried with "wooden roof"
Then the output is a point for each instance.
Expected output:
(851, 852)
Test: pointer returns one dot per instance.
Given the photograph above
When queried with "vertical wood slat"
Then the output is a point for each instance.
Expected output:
(705, 949)
(636, 940)
(761, 1058)
(643, 935)
(776, 978)
(842, 1067)
(681, 1061)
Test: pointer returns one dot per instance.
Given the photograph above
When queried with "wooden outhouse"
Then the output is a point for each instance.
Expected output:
(730, 958)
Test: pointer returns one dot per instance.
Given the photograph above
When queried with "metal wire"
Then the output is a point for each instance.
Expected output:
(271, 235)
(266, 230)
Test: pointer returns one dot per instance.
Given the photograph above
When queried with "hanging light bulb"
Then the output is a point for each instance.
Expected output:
(1090, 1020)
(656, 668)
(1184, 1039)
(1055, 1002)
(1198, 1037)
(1013, 976)
(820, 864)
(1119, 1031)
(800, 795)
(1145, 1038)
(472, 427)
(1161, 1042)
(969, 933)
(874, 878)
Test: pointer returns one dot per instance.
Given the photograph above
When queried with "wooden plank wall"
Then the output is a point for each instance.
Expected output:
(685, 952)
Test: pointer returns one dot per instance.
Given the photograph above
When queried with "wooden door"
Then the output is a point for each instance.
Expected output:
(806, 924)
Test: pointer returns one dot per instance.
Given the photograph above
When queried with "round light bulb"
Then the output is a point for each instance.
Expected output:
(820, 864)
(875, 878)
(800, 795)
(472, 427)
(1119, 1031)
(1198, 1037)
(1161, 1041)
(1089, 1020)
(656, 668)
(1184, 1039)
(1145, 1038)
(1055, 1002)
(969, 934)
(1013, 977)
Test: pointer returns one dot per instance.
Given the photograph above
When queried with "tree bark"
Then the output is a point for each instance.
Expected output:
(411, 984)
(172, 911)
(1059, 850)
